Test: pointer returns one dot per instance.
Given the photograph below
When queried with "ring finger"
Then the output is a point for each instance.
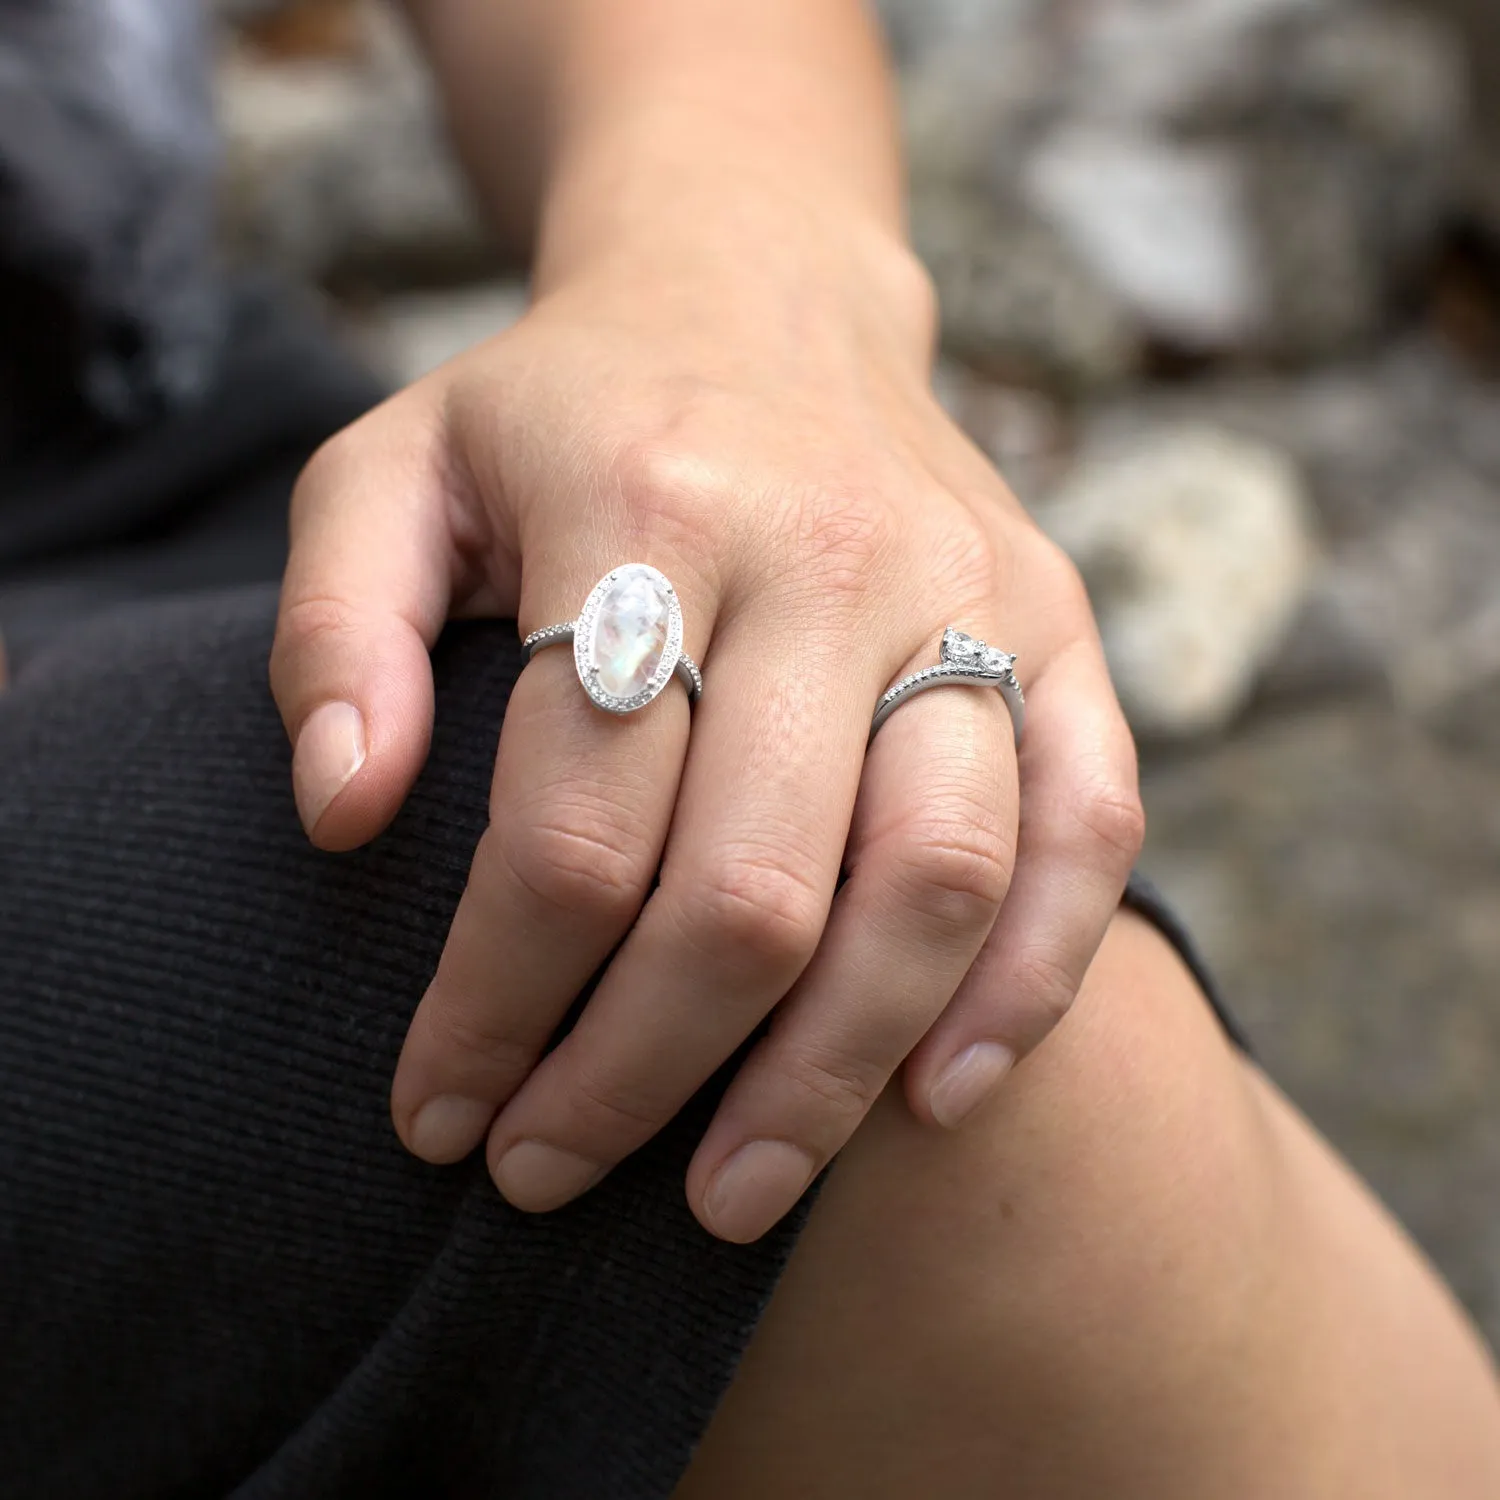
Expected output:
(930, 857)
(579, 809)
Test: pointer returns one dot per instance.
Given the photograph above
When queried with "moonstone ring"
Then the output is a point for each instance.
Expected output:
(961, 659)
(627, 640)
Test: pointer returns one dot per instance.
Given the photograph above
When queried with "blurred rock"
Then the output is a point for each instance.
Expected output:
(410, 335)
(1421, 591)
(916, 28)
(1023, 432)
(1478, 24)
(1343, 873)
(1162, 225)
(341, 161)
(1260, 176)
(297, 28)
(1324, 284)
(1401, 458)
(1197, 549)
(1015, 300)
(1189, 64)
(967, 106)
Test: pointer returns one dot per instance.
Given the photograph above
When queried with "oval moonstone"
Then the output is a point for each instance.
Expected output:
(630, 630)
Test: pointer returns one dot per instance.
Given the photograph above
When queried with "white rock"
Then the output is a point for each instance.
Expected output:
(1163, 225)
(1197, 548)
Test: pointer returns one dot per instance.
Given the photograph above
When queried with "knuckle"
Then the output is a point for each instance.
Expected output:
(607, 1109)
(1111, 815)
(957, 874)
(477, 1037)
(666, 485)
(972, 563)
(845, 538)
(753, 910)
(581, 858)
(673, 501)
(306, 627)
(845, 1085)
(1048, 986)
(313, 619)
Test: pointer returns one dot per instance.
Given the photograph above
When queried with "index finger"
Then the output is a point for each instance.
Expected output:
(365, 593)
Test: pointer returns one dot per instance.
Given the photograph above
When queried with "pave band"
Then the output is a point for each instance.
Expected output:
(963, 660)
(627, 640)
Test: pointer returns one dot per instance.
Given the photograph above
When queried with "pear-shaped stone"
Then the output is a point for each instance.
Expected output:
(630, 630)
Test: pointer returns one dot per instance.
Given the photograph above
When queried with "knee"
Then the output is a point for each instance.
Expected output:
(1120, 1184)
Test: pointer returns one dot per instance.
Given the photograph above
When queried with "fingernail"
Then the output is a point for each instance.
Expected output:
(537, 1177)
(755, 1187)
(967, 1081)
(448, 1127)
(330, 749)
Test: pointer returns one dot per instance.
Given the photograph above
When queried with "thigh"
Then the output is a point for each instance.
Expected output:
(1139, 1273)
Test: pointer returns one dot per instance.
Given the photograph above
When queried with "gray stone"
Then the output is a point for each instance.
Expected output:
(1024, 432)
(343, 162)
(1343, 872)
(1266, 176)
(1163, 225)
(917, 28)
(1325, 285)
(1420, 591)
(411, 334)
(1478, 23)
(1401, 457)
(1191, 63)
(1197, 550)
(1355, 177)
(1014, 298)
(966, 109)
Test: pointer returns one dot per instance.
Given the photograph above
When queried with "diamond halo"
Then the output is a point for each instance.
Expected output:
(613, 638)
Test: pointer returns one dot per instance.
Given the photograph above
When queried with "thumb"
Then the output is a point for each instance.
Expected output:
(366, 591)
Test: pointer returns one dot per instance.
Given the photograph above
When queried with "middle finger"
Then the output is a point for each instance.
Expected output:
(749, 871)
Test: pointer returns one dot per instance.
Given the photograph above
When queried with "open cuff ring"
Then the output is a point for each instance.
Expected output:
(965, 660)
(627, 640)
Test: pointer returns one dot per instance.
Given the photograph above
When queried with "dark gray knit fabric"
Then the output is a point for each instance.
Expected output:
(220, 1274)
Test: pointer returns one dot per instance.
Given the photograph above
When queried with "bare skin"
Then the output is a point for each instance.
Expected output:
(1137, 1273)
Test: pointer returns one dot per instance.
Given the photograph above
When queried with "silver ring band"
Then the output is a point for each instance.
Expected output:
(627, 640)
(964, 660)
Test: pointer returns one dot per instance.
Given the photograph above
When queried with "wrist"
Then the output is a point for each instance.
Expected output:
(715, 221)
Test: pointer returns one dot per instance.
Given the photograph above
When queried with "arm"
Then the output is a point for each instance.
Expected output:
(585, 114)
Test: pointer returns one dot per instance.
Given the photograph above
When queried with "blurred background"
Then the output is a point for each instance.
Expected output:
(1221, 298)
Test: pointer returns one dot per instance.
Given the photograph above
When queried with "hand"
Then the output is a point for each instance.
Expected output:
(759, 427)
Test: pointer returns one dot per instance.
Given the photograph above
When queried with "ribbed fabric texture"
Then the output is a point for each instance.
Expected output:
(219, 1272)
